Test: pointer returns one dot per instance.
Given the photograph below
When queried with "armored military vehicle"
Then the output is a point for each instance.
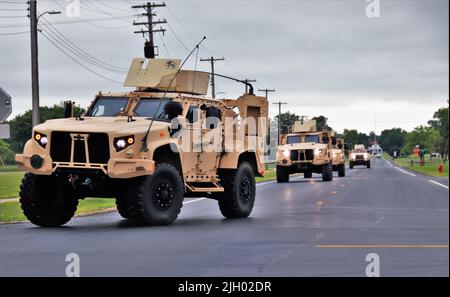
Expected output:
(359, 156)
(339, 157)
(305, 150)
(148, 149)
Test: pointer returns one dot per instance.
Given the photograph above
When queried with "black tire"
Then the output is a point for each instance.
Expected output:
(154, 200)
(327, 172)
(368, 165)
(307, 173)
(123, 207)
(282, 174)
(351, 165)
(341, 170)
(46, 202)
(240, 190)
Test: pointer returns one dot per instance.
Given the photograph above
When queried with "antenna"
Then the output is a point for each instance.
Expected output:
(145, 138)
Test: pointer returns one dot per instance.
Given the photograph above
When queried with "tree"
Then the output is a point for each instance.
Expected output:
(6, 154)
(288, 119)
(322, 123)
(392, 140)
(424, 136)
(440, 123)
(21, 124)
(352, 137)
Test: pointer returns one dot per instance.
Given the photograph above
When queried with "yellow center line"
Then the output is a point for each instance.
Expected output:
(383, 246)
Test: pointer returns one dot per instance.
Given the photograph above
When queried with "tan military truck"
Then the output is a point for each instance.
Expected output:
(148, 149)
(305, 150)
(339, 157)
(359, 156)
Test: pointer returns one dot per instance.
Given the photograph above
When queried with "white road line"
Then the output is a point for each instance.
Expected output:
(404, 171)
(439, 184)
(195, 200)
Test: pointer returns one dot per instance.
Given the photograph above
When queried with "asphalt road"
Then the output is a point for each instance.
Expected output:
(304, 228)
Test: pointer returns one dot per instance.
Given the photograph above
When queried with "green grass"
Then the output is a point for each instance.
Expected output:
(11, 211)
(9, 184)
(269, 175)
(430, 168)
(8, 168)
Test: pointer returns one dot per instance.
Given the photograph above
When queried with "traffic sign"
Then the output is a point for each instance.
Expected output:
(5, 105)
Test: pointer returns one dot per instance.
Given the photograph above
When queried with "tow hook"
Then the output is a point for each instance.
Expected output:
(88, 182)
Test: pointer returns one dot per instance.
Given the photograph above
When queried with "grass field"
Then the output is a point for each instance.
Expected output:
(430, 168)
(9, 184)
(11, 211)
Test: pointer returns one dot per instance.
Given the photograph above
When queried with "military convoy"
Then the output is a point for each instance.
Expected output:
(306, 150)
(359, 156)
(148, 149)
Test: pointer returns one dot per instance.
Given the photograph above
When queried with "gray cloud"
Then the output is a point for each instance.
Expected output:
(321, 56)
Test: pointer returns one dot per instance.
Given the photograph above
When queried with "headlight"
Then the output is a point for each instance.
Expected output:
(317, 152)
(41, 139)
(286, 153)
(353, 156)
(366, 156)
(122, 143)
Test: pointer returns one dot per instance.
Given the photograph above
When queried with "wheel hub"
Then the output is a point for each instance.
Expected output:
(246, 190)
(163, 195)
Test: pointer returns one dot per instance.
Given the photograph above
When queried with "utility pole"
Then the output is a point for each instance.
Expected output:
(213, 81)
(302, 118)
(149, 7)
(34, 63)
(267, 91)
(279, 117)
(248, 81)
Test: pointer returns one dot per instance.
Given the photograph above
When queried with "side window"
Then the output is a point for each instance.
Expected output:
(193, 114)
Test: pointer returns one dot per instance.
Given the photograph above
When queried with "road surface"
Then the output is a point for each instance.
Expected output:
(304, 228)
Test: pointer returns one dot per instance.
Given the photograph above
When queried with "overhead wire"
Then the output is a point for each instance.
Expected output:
(88, 56)
(44, 34)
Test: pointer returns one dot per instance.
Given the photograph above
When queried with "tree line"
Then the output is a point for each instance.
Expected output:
(432, 137)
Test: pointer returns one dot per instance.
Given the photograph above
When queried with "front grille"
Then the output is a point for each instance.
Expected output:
(359, 157)
(97, 143)
(302, 155)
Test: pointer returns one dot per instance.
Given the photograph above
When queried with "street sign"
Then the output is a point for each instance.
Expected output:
(4, 131)
(5, 105)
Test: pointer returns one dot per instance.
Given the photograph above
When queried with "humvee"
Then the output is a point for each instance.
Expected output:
(305, 150)
(359, 156)
(147, 149)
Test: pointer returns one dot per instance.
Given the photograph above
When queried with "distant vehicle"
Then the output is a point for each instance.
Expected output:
(307, 151)
(376, 151)
(359, 156)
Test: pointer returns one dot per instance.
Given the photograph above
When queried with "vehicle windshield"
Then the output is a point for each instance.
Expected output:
(151, 108)
(293, 139)
(360, 151)
(108, 107)
(312, 138)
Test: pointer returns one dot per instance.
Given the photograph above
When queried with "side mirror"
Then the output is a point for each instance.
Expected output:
(284, 129)
(68, 109)
(333, 141)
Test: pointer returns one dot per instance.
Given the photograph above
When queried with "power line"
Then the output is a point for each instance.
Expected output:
(81, 51)
(14, 33)
(267, 91)
(79, 63)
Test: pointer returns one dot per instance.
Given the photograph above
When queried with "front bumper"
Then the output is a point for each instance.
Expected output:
(359, 162)
(116, 168)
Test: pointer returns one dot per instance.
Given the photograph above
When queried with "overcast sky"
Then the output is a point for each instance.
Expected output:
(322, 57)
